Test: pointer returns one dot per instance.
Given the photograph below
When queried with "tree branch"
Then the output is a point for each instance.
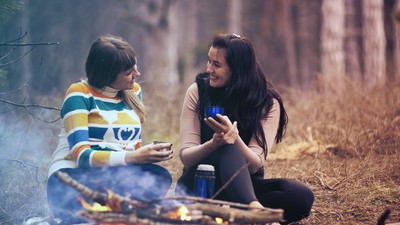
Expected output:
(29, 44)
(29, 105)
(26, 165)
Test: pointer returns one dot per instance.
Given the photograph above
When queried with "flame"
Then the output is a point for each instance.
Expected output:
(183, 214)
(220, 220)
(95, 207)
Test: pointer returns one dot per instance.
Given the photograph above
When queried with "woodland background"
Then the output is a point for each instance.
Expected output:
(336, 63)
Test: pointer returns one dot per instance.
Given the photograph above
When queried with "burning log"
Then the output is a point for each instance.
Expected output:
(114, 201)
(183, 209)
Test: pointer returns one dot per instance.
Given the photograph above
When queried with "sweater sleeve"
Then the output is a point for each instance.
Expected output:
(190, 124)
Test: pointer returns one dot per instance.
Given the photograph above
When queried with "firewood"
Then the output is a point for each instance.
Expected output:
(238, 216)
(128, 211)
(116, 202)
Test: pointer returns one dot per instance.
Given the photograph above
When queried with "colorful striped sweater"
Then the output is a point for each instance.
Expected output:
(98, 127)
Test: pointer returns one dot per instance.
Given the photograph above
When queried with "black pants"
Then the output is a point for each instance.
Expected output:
(293, 197)
(144, 181)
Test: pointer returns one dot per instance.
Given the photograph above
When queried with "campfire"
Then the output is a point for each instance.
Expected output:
(112, 209)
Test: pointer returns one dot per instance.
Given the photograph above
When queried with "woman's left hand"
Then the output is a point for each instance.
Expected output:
(224, 125)
(226, 132)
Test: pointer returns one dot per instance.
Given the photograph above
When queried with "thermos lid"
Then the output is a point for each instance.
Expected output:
(205, 167)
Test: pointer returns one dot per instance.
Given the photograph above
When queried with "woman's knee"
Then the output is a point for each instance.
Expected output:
(294, 197)
(300, 201)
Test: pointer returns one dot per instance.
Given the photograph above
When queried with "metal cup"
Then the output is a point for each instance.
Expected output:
(212, 111)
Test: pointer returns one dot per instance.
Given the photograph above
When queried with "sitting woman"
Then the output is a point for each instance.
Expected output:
(100, 144)
(254, 118)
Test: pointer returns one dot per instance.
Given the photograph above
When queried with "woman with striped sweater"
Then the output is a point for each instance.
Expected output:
(100, 144)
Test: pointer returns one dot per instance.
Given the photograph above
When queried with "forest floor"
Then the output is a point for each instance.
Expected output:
(344, 145)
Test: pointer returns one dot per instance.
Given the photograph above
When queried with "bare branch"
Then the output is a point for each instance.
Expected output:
(27, 165)
(230, 180)
(19, 88)
(29, 44)
(17, 59)
(21, 36)
(29, 105)
(8, 53)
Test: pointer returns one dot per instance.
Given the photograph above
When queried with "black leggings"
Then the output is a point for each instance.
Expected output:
(144, 181)
(293, 197)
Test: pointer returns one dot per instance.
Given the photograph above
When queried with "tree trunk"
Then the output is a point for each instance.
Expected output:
(396, 38)
(374, 42)
(290, 49)
(27, 68)
(235, 16)
(308, 36)
(187, 23)
(160, 57)
(352, 42)
(332, 36)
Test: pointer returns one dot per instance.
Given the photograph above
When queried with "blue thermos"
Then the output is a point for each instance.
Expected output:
(204, 181)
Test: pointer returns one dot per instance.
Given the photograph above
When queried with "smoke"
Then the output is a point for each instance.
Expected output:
(26, 145)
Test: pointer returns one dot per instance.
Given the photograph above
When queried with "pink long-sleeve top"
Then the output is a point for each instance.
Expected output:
(192, 151)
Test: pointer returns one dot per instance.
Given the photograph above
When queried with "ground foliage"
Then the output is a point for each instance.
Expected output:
(343, 144)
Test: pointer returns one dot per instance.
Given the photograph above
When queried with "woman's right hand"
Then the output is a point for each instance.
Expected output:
(150, 153)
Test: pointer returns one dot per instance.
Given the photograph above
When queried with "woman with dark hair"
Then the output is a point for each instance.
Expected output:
(100, 144)
(254, 118)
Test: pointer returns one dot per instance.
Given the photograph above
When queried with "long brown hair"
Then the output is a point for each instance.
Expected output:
(248, 95)
(108, 56)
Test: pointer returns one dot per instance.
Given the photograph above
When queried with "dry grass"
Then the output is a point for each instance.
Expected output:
(343, 144)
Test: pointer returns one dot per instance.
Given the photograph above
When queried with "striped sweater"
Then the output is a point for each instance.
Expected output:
(98, 127)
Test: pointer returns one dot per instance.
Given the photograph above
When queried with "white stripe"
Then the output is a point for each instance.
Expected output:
(117, 158)
(71, 113)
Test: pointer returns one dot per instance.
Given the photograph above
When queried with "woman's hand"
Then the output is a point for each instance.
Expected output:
(150, 153)
(225, 124)
(230, 137)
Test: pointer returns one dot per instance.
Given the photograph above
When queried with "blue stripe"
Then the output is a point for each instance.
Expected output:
(77, 136)
(97, 132)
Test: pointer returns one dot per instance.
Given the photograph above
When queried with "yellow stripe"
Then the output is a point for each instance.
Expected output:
(125, 119)
(84, 88)
(75, 120)
(96, 118)
(100, 157)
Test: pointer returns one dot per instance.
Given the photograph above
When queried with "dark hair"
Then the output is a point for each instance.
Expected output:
(248, 95)
(108, 56)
